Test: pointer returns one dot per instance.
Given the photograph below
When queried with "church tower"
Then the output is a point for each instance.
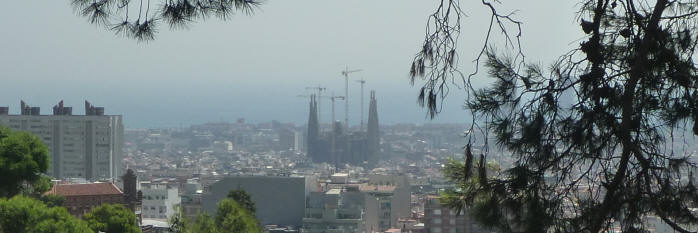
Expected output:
(373, 135)
(313, 131)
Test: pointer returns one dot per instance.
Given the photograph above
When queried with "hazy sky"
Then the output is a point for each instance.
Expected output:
(250, 66)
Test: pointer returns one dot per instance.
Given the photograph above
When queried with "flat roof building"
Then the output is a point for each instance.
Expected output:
(337, 210)
(279, 200)
(80, 146)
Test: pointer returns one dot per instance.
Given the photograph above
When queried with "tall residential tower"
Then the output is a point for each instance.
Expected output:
(80, 146)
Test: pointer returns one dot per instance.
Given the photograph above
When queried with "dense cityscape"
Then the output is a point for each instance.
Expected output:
(331, 183)
(313, 116)
(391, 188)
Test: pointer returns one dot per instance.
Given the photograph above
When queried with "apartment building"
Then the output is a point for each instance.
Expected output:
(80, 146)
(159, 200)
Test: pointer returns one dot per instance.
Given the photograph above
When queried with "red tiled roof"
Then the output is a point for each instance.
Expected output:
(85, 189)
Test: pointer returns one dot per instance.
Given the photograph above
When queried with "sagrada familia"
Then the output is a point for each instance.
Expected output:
(339, 147)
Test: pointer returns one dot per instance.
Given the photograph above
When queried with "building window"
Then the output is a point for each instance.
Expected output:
(436, 221)
(435, 230)
(385, 206)
(437, 212)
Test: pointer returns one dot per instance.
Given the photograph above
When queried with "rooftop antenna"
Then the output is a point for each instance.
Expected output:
(346, 73)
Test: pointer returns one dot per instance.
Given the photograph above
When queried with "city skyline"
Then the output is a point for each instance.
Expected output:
(250, 66)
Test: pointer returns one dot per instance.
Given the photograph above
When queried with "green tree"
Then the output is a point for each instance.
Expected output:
(230, 217)
(23, 159)
(594, 136)
(40, 186)
(204, 223)
(52, 200)
(244, 199)
(112, 218)
(24, 214)
(179, 223)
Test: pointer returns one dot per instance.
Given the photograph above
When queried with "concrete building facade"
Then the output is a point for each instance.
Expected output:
(80, 146)
(439, 218)
(279, 200)
(337, 210)
(388, 199)
(191, 198)
(159, 201)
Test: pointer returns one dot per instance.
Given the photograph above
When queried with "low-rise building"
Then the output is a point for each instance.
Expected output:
(191, 199)
(159, 201)
(337, 210)
(387, 200)
(378, 207)
(279, 200)
(81, 198)
(440, 218)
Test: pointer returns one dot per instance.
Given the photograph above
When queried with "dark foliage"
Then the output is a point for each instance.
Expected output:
(138, 19)
(52, 200)
(23, 159)
(243, 198)
(24, 214)
(112, 218)
(437, 60)
(593, 137)
(230, 217)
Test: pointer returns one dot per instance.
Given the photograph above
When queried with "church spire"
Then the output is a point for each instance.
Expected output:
(373, 134)
(313, 130)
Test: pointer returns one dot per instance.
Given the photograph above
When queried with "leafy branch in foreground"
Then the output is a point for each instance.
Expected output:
(596, 138)
(437, 61)
(138, 19)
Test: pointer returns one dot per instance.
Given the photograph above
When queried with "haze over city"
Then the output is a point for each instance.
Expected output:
(354, 116)
(252, 67)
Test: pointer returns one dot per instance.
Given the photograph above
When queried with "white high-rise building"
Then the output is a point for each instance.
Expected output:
(80, 146)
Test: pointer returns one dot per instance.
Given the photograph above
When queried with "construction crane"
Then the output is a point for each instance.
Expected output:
(318, 100)
(334, 134)
(319, 89)
(346, 73)
(362, 82)
(332, 98)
